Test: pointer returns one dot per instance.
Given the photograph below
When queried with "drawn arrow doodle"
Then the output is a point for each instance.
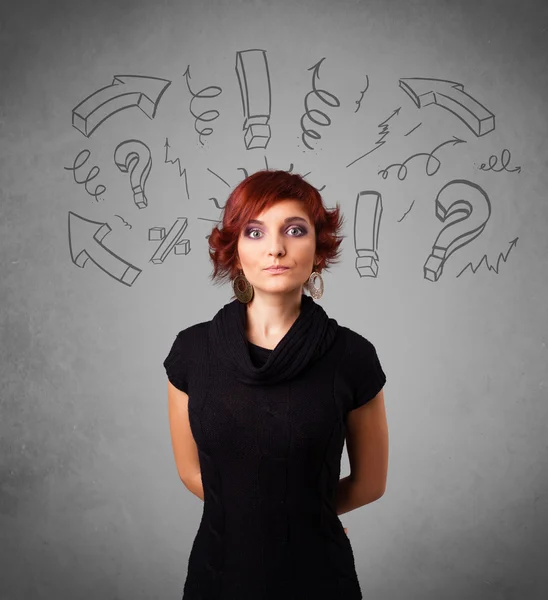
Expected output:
(402, 171)
(211, 91)
(505, 159)
(468, 202)
(380, 142)
(86, 239)
(326, 97)
(502, 257)
(451, 96)
(178, 163)
(124, 92)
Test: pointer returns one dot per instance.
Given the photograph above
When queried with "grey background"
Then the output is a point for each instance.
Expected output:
(90, 502)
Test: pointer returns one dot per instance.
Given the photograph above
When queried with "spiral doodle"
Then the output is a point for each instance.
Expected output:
(211, 91)
(92, 174)
(326, 97)
(505, 159)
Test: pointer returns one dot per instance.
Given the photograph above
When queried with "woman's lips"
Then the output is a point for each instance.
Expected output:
(277, 270)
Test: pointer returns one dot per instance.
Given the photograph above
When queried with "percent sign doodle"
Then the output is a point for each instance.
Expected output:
(458, 197)
(134, 157)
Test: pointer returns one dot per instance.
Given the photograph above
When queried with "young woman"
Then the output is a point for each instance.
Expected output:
(261, 400)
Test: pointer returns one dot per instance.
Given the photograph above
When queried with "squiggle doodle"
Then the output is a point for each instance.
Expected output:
(319, 189)
(92, 174)
(324, 96)
(124, 222)
(178, 162)
(358, 102)
(402, 171)
(207, 115)
(290, 170)
(246, 175)
(505, 159)
(405, 135)
(406, 212)
(513, 243)
(216, 202)
(384, 132)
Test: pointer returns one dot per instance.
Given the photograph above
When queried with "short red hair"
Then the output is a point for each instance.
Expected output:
(258, 192)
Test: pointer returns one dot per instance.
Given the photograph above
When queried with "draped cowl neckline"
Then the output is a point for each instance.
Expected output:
(309, 338)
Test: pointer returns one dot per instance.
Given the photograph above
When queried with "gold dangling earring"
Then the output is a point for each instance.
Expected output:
(243, 290)
(315, 292)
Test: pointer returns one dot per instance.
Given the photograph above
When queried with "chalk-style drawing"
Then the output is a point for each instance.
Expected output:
(219, 177)
(170, 241)
(211, 91)
(254, 82)
(92, 173)
(407, 212)
(212, 220)
(470, 204)
(303, 176)
(367, 222)
(134, 157)
(216, 202)
(83, 247)
(513, 244)
(323, 95)
(380, 142)
(505, 159)
(402, 170)
(125, 91)
(362, 93)
(178, 163)
(126, 224)
(411, 131)
(451, 96)
(246, 174)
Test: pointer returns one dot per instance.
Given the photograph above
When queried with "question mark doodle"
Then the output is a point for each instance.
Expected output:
(455, 198)
(134, 157)
(367, 221)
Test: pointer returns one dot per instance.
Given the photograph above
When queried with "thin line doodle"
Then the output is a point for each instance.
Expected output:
(407, 211)
(359, 102)
(92, 174)
(380, 142)
(212, 220)
(505, 159)
(206, 116)
(323, 95)
(126, 224)
(402, 171)
(290, 170)
(513, 244)
(218, 176)
(216, 202)
(319, 189)
(405, 135)
(178, 163)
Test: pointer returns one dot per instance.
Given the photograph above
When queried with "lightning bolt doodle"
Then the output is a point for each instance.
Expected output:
(513, 244)
(178, 163)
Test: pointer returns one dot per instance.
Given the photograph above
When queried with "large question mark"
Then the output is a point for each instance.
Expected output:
(458, 197)
(367, 221)
(134, 157)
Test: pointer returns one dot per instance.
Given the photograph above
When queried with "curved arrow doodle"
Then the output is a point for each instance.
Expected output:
(134, 156)
(124, 92)
(402, 171)
(207, 115)
(324, 96)
(451, 96)
(458, 197)
(83, 247)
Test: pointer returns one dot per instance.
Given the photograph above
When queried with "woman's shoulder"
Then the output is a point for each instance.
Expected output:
(194, 332)
(355, 341)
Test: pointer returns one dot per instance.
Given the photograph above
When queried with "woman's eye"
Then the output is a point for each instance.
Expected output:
(300, 229)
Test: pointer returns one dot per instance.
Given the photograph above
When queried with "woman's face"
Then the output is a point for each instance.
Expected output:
(281, 235)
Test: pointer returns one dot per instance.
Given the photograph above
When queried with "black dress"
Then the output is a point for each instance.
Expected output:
(270, 430)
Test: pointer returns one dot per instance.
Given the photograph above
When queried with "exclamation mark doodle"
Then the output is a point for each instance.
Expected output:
(254, 80)
(367, 221)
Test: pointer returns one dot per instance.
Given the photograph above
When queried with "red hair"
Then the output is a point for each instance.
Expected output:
(258, 192)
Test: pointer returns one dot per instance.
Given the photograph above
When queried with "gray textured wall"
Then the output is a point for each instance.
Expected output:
(96, 277)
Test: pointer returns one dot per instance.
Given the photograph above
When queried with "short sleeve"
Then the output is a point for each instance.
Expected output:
(176, 363)
(366, 373)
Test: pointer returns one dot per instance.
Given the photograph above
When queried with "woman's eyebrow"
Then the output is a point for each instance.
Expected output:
(257, 222)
